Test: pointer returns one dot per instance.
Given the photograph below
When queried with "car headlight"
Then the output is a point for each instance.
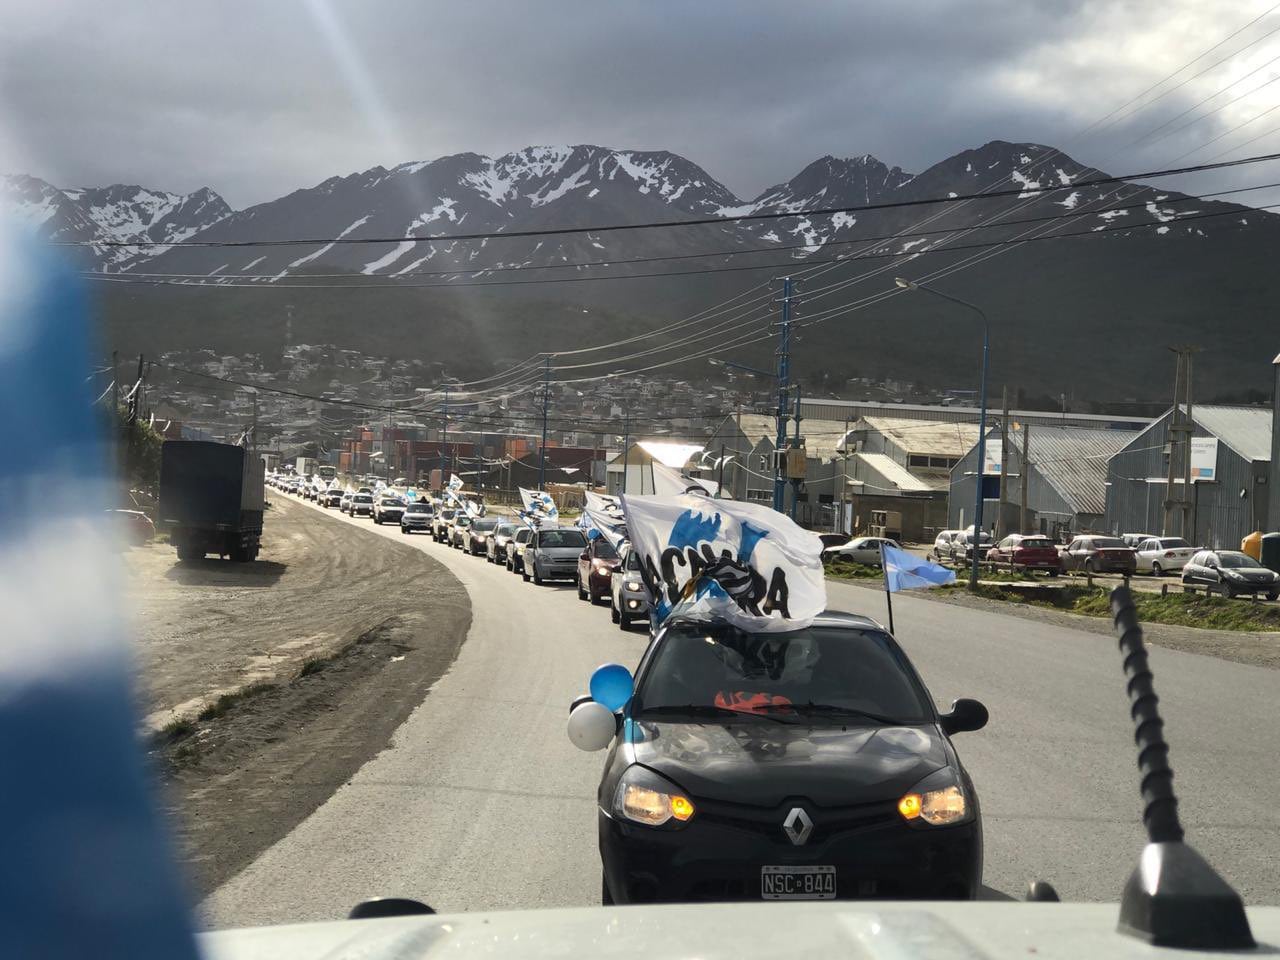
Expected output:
(631, 585)
(939, 799)
(645, 797)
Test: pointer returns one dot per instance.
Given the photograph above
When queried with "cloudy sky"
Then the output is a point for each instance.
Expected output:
(257, 98)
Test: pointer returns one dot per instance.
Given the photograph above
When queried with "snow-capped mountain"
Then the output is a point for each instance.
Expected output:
(541, 187)
(116, 213)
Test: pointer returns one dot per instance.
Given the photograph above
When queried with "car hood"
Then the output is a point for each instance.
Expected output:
(762, 763)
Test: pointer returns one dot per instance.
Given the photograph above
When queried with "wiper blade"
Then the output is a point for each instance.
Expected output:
(834, 710)
(702, 710)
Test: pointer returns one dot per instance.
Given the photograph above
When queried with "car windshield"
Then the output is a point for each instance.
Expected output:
(460, 521)
(633, 560)
(562, 538)
(503, 530)
(603, 550)
(1238, 561)
(1171, 542)
(859, 670)
(484, 526)
(391, 502)
(362, 498)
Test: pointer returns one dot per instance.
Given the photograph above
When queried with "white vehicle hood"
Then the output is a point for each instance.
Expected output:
(850, 931)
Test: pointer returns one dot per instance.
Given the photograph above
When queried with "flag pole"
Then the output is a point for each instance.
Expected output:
(888, 594)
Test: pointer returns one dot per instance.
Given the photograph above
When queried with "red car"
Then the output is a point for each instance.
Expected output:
(1028, 551)
(595, 570)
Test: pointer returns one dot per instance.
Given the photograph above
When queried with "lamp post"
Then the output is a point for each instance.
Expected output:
(982, 412)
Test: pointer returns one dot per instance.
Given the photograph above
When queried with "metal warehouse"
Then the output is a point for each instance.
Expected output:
(1065, 482)
(1230, 467)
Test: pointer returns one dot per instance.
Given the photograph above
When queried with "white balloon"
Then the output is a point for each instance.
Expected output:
(592, 726)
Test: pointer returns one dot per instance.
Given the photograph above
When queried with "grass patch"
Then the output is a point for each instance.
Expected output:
(313, 665)
(841, 568)
(176, 730)
(228, 700)
(1176, 609)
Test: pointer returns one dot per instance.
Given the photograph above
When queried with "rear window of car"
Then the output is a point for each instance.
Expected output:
(1168, 542)
(1034, 542)
(1107, 543)
(418, 508)
(708, 665)
(561, 538)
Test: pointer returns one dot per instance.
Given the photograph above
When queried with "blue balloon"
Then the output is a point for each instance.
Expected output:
(593, 534)
(611, 685)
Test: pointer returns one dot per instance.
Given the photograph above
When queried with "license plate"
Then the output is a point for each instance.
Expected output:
(798, 883)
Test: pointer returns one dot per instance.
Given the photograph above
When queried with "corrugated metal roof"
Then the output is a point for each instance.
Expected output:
(895, 474)
(1073, 460)
(1246, 430)
(821, 437)
(939, 439)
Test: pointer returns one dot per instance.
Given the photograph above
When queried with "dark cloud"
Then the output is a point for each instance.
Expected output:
(255, 99)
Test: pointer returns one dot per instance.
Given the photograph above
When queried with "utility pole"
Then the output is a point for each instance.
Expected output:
(796, 481)
(844, 479)
(1004, 465)
(1185, 498)
(1180, 430)
(1026, 470)
(254, 429)
(444, 435)
(784, 377)
(386, 440)
(546, 398)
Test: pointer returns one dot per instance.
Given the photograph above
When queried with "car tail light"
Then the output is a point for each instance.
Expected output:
(1169, 553)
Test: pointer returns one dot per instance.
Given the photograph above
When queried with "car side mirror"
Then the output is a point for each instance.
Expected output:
(966, 716)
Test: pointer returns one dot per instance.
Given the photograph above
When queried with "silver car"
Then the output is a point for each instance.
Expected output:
(553, 554)
(628, 598)
(861, 550)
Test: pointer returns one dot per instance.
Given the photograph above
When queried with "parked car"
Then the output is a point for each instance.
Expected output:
(832, 539)
(459, 528)
(417, 516)
(552, 554)
(361, 505)
(1028, 552)
(516, 547)
(1231, 573)
(942, 544)
(388, 510)
(479, 535)
(803, 765)
(628, 598)
(1161, 555)
(1135, 539)
(440, 525)
(962, 546)
(496, 548)
(595, 569)
(862, 549)
(1099, 555)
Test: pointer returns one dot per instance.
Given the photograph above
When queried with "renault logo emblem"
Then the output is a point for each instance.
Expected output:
(797, 826)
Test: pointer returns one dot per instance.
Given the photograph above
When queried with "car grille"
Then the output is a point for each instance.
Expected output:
(828, 822)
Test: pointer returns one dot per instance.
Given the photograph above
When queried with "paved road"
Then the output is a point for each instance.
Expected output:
(482, 803)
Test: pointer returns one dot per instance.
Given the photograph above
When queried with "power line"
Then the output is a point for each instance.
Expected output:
(1022, 191)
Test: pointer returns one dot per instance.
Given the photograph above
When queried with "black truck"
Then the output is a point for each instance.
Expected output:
(211, 499)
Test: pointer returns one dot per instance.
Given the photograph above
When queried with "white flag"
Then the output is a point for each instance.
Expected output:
(455, 482)
(753, 567)
(539, 505)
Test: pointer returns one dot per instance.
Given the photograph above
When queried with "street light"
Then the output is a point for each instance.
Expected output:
(906, 284)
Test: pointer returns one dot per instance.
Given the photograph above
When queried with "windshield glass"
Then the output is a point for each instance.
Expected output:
(362, 498)
(562, 538)
(503, 530)
(484, 526)
(1238, 560)
(715, 665)
(603, 550)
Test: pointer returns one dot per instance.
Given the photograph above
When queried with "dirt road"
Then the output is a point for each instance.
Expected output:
(277, 680)
(210, 627)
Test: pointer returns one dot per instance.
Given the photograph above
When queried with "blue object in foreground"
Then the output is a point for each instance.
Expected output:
(906, 571)
(611, 685)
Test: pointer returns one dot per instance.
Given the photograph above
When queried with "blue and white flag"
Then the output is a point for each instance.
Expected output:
(539, 505)
(455, 483)
(743, 563)
(88, 870)
(906, 571)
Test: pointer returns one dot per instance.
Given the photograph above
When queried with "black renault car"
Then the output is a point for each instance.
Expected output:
(802, 765)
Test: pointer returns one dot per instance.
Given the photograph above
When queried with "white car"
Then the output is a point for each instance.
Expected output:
(942, 545)
(862, 549)
(1161, 555)
(628, 598)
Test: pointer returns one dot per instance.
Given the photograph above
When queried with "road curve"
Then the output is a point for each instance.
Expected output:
(482, 803)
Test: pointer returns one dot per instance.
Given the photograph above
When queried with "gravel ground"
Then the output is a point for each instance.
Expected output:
(211, 627)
